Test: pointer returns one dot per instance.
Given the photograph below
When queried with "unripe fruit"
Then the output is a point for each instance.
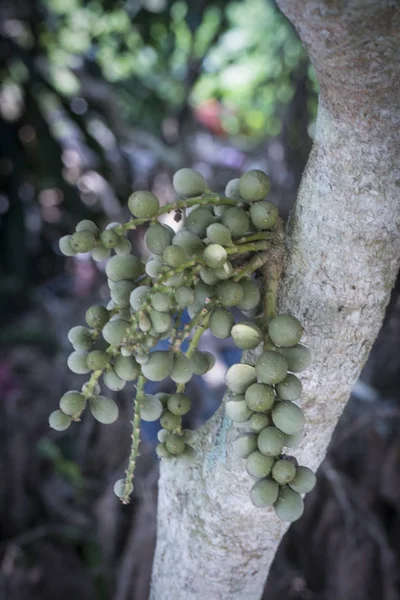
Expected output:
(157, 238)
(170, 421)
(127, 368)
(154, 267)
(237, 409)
(304, 480)
(174, 256)
(232, 189)
(189, 183)
(184, 296)
(179, 404)
(119, 488)
(229, 293)
(82, 241)
(271, 367)
(285, 330)
(161, 301)
(124, 267)
(159, 366)
(189, 242)
(80, 337)
(215, 256)
(288, 417)
(208, 275)
(103, 409)
(182, 370)
(263, 215)
(270, 441)
(258, 422)
(139, 296)
(175, 444)
(258, 465)
(97, 316)
(100, 253)
(221, 323)
(203, 292)
(123, 248)
(77, 363)
(290, 388)
(59, 421)
(244, 445)
(109, 238)
(219, 234)
(201, 362)
(87, 225)
(162, 435)
(254, 185)
(293, 441)
(72, 403)
(259, 397)
(298, 358)
(163, 397)
(251, 295)
(97, 359)
(236, 220)
(121, 291)
(289, 505)
(64, 243)
(194, 308)
(151, 409)
(264, 493)
(174, 281)
(162, 452)
(160, 321)
(198, 220)
(115, 331)
(239, 377)
(224, 272)
(246, 335)
(143, 205)
(283, 471)
(89, 390)
(112, 381)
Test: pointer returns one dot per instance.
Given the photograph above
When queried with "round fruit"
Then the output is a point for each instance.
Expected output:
(264, 493)
(259, 397)
(100, 253)
(127, 368)
(179, 404)
(298, 358)
(139, 296)
(80, 337)
(198, 220)
(77, 363)
(123, 247)
(258, 422)
(103, 409)
(162, 452)
(144, 322)
(109, 238)
(251, 295)
(246, 335)
(239, 377)
(254, 185)
(258, 465)
(285, 330)
(232, 189)
(161, 301)
(175, 444)
(119, 488)
(89, 390)
(72, 403)
(229, 293)
(290, 388)
(224, 272)
(189, 183)
(151, 409)
(237, 409)
(162, 435)
(97, 316)
(194, 308)
(288, 417)
(159, 366)
(174, 256)
(174, 281)
(201, 362)
(97, 359)
(64, 243)
(293, 441)
(208, 275)
(263, 215)
(283, 471)
(215, 256)
(160, 321)
(189, 242)
(236, 220)
(221, 323)
(112, 381)
(244, 445)
(289, 505)
(120, 292)
(115, 331)
(219, 234)
(157, 238)
(170, 421)
(304, 480)
(87, 225)
(270, 441)
(82, 241)
(182, 370)
(154, 266)
(203, 292)
(143, 205)
(59, 421)
(184, 296)
(271, 367)
(124, 267)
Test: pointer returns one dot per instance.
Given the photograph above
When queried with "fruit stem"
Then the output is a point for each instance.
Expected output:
(251, 247)
(254, 237)
(272, 272)
(253, 265)
(135, 436)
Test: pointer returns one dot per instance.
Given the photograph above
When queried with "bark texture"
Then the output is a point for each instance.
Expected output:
(342, 260)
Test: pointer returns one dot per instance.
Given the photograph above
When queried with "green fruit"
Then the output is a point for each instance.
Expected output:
(169, 421)
(293, 441)
(208, 275)
(298, 358)
(159, 366)
(251, 295)
(259, 397)
(163, 397)
(263, 215)
(127, 368)
(64, 243)
(112, 381)
(162, 435)
(100, 253)
(201, 362)
(143, 205)
(229, 293)
(162, 452)
(161, 301)
(157, 238)
(82, 241)
(203, 292)
(285, 330)
(244, 445)
(198, 220)
(123, 247)
(246, 335)
(239, 377)
(220, 209)
(80, 337)
(194, 308)
(232, 189)
(103, 409)
(72, 403)
(151, 409)
(283, 471)
(97, 359)
(179, 404)
(258, 465)
(182, 370)
(236, 220)
(254, 185)
(139, 296)
(89, 390)
(174, 256)
(175, 444)
(115, 331)
(270, 441)
(264, 493)
(174, 281)
(154, 267)
(109, 238)
(271, 367)
(97, 316)
(87, 225)
(59, 421)
(290, 388)
(160, 321)
(258, 422)
(144, 323)
(219, 234)
(189, 242)
(124, 267)
(224, 272)
(77, 363)
(237, 409)
(119, 488)
(288, 417)
(121, 291)
(221, 323)
(189, 183)
(289, 505)
(304, 480)
(215, 256)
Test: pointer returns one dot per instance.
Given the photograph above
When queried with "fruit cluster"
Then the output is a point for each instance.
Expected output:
(206, 268)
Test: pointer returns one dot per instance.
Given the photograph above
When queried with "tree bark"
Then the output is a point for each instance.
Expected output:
(343, 253)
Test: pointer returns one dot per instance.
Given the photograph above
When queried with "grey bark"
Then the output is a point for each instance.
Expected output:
(342, 260)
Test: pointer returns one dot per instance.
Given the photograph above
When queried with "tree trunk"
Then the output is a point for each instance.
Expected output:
(342, 260)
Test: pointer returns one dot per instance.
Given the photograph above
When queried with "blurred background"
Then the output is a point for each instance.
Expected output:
(99, 98)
